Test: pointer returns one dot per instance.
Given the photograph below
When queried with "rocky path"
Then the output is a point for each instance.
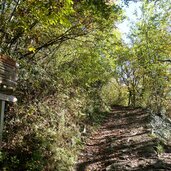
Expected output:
(124, 143)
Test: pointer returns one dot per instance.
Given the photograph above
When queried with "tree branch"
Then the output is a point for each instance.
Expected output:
(13, 11)
(58, 40)
(165, 60)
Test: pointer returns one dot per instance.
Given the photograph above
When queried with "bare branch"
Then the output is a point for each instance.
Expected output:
(165, 60)
(14, 9)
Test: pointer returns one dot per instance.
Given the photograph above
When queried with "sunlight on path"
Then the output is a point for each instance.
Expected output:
(124, 143)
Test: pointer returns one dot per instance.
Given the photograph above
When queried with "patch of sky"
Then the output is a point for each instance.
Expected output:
(133, 14)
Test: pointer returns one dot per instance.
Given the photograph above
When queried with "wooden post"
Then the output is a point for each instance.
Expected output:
(3, 99)
(8, 81)
(2, 109)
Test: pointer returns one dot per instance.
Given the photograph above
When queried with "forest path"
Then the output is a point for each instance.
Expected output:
(123, 143)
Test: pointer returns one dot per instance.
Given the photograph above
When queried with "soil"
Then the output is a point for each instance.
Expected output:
(124, 143)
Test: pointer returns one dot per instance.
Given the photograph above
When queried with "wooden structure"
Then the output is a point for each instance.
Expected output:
(8, 82)
(8, 74)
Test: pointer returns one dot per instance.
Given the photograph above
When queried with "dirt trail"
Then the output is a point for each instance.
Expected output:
(123, 143)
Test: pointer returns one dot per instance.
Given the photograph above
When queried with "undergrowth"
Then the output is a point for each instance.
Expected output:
(46, 129)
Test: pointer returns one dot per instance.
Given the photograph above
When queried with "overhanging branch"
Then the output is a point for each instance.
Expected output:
(165, 60)
(67, 35)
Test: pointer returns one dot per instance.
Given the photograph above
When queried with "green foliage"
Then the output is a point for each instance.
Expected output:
(152, 52)
(49, 138)
(57, 96)
(67, 82)
(160, 149)
(29, 28)
(114, 94)
(141, 67)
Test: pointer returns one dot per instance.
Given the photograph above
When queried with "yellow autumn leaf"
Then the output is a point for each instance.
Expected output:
(32, 49)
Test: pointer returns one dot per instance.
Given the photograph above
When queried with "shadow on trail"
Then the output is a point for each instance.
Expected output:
(123, 143)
